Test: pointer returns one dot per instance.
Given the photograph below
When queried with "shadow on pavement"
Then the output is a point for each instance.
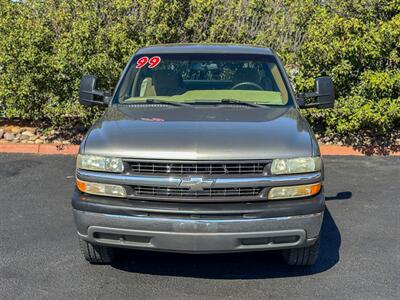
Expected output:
(252, 265)
(339, 196)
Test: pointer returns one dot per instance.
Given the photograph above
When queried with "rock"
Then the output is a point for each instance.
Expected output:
(24, 137)
(28, 133)
(29, 129)
(9, 136)
(16, 129)
(33, 137)
(43, 137)
(30, 142)
(8, 128)
(1, 133)
(66, 143)
(39, 141)
(23, 141)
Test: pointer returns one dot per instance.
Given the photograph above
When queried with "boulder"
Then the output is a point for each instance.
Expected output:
(30, 129)
(28, 133)
(8, 128)
(24, 137)
(16, 129)
(9, 136)
(33, 137)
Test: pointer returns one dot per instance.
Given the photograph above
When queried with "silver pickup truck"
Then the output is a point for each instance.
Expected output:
(201, 149)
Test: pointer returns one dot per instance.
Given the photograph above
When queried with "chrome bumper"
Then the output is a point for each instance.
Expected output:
(198, 236)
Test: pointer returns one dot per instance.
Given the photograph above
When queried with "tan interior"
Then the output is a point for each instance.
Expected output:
(147, 88)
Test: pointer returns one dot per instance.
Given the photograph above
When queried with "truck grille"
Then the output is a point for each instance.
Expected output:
(164, 192)
(245, 168)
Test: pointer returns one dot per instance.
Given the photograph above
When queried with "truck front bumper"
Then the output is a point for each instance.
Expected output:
(126, 227)
(198, 236)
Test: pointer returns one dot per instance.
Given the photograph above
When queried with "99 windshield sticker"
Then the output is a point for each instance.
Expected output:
(152, 62)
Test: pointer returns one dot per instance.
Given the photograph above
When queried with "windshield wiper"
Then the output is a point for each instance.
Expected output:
(239, 102)
(166, 102)
(190, 104)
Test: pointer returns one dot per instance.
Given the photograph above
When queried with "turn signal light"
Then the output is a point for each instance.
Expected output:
(101, 189)
(297, 191)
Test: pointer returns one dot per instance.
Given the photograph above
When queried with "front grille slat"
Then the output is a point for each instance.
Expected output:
(198, 168)
(147, 191)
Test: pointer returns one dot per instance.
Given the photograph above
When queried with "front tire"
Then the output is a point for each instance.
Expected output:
(96, 254)
(305, 256)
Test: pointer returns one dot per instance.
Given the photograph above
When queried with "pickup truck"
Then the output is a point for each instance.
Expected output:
(201, 149)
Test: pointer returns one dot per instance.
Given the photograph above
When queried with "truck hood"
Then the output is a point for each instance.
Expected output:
(200, 133)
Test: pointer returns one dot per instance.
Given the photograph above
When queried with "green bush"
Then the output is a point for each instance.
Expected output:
(357, 43)
(46, 46)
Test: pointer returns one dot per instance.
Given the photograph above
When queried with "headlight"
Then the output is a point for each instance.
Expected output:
(296, 165)
(101, 189)
(99, 163)
(298, 191)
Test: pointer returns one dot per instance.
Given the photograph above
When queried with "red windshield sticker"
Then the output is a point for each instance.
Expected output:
(142, 62)
(152, 119)
(154, 61)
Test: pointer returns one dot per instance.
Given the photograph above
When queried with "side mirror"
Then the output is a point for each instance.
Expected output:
(324, 92)
(89, 95)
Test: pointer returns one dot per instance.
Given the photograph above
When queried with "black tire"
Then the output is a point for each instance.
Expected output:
(306, 256)
(96, 254)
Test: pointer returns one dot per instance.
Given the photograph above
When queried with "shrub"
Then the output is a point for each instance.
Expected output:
(46, 46)
(357, 43)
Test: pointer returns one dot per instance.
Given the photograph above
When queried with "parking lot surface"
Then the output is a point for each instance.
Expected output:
(40, 257)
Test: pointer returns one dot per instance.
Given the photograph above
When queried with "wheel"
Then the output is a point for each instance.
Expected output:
(305, 256)
(96, 254)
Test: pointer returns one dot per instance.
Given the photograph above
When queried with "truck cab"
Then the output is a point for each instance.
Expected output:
(201, 149)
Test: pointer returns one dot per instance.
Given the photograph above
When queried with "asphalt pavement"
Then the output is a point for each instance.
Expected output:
(40, 257)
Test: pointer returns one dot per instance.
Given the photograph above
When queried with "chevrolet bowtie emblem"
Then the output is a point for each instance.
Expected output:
(196, 183)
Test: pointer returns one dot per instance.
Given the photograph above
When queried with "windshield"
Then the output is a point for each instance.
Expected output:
(204, 77)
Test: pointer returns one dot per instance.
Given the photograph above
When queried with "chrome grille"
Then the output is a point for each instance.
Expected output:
(140, 167)
(164, 192)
